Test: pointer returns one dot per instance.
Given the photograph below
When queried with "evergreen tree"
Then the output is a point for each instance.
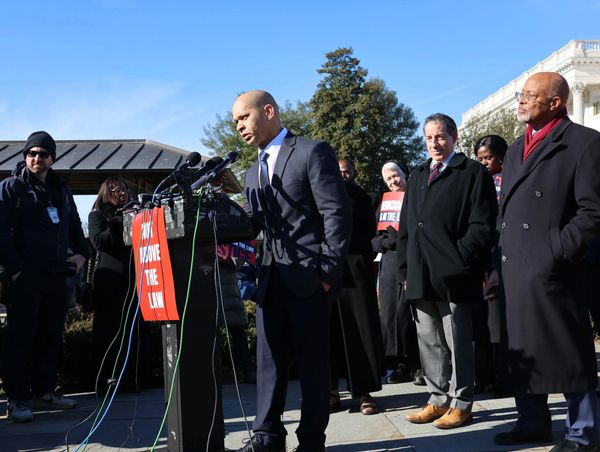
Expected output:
(362, 119)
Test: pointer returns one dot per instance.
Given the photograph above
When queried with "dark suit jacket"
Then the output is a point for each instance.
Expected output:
(307, 222)
(446, 231)
(549, 214)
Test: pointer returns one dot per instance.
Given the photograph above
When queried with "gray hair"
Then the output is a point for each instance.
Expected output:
(395, 167)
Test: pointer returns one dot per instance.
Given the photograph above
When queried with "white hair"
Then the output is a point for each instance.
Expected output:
(394, 167)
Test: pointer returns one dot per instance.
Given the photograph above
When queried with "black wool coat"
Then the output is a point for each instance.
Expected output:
(357, 351)
(549, 213)
(446, 231)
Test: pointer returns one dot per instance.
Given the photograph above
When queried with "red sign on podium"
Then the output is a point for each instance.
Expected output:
(389, 213)
(154, 276)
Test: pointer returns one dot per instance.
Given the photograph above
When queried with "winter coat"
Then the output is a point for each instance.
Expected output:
(28, 237)
(549, 214)
(355, 316)
(447, 231)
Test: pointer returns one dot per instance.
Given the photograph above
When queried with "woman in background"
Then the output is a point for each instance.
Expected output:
(489, 320)
(114, 298)
(398, 327)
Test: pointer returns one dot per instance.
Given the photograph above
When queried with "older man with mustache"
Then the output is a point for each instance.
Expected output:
(549, 213)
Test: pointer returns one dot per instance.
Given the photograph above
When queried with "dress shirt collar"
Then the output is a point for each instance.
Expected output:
(444, 163)
(273, 150)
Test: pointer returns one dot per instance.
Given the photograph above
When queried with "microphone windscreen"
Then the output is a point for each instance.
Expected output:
(193, 159)
(232, 156)
(211, 163)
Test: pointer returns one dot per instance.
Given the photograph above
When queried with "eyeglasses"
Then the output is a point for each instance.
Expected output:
(118, 190)
(526, 95)
(40, 154)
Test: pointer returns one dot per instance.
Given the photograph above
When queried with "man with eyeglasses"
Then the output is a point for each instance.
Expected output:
(549, 213)
(38, 223)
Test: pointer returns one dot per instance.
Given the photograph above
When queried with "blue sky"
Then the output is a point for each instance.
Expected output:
(90, 69)
(102, 69)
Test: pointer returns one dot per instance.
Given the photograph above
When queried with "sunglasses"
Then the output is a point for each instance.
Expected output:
(40, 154)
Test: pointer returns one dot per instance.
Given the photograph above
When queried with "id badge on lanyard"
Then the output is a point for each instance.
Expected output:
(53, 214)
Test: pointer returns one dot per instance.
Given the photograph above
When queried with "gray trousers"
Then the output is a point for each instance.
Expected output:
(445, 333)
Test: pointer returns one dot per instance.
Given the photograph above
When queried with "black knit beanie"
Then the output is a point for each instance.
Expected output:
(43, 140)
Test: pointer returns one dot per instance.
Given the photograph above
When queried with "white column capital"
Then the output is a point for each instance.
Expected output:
(578, 87)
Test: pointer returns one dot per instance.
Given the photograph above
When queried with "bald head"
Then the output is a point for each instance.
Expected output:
(555, 84)
(256, 116)
(544, 96)
(258, 98)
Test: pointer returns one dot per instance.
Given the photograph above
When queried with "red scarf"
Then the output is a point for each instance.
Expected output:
(531, 142)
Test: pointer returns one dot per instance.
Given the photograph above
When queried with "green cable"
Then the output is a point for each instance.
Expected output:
(187, 296)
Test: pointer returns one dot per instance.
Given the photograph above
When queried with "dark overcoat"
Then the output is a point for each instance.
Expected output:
(446, 231)
(357, 349)
(397, 326)
(549, 213)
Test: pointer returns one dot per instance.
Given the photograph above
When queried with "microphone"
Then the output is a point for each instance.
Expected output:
(192, 160)
(130, 205)
(218, 169)
(208, 165)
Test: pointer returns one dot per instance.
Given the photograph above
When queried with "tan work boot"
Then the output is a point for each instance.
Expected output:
(453, 418)
(427, 414)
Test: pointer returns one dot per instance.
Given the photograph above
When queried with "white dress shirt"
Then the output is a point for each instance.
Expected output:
(273, 150)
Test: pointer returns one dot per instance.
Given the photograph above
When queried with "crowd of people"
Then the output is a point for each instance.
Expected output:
(479, 282)
(488, 265)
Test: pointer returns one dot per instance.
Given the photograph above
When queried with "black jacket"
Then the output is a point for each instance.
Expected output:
(28, 237)
(106, 235)
(306, 221)
(446, 231)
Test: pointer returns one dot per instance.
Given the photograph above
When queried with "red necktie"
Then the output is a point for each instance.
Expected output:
(435, 172)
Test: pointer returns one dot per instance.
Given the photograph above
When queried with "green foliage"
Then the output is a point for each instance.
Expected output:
(250, 308)
(502, 122)
(77, 373)
(362, 119)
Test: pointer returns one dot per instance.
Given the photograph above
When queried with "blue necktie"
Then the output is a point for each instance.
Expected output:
(264, 169)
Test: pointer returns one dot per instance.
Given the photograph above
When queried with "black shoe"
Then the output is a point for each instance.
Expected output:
(517, 436)
(257, 444)
(400, 375)
(568, 446)
(418, 378)
(501, 393)
(482, 388)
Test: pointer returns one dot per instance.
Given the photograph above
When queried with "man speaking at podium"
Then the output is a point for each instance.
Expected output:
(296, 196)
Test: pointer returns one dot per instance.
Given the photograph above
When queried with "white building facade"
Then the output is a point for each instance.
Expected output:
(579, 63)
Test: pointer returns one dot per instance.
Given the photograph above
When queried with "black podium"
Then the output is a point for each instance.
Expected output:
(195, 414)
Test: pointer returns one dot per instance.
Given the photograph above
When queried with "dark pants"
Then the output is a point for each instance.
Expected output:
(114, 311)
(580, 424)
(36, 310)
(239, 348)
(293, 330)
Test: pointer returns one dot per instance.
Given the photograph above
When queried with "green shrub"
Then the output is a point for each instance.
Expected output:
(77, 372)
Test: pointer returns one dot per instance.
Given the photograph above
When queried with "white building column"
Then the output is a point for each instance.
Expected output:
(577, 90)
